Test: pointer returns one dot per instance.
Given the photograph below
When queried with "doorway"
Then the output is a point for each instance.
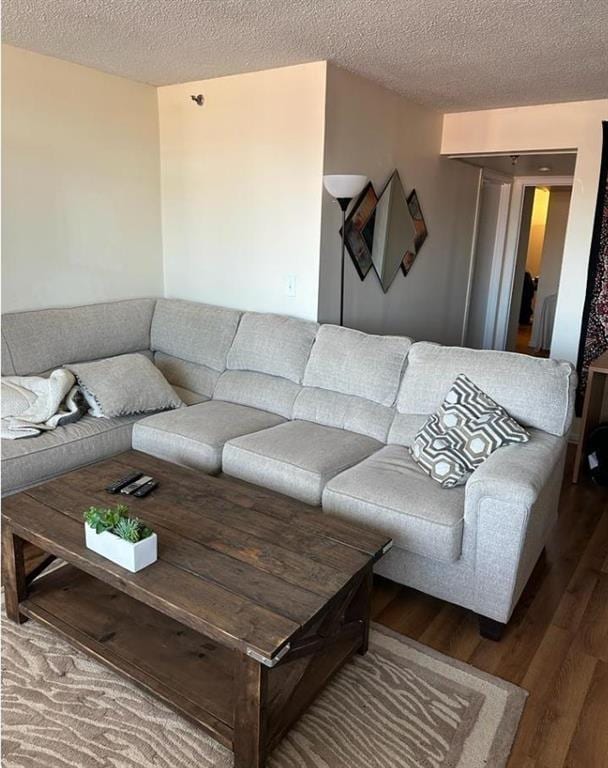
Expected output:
(517, 255)
(537, 275)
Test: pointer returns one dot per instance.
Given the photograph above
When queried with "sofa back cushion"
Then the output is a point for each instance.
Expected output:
(351, 380)
(191, 342)
(8, 369)
(38, 341)
(356, 363)
(334, 409)
(536, 392)
(273, 344)
(266, 362)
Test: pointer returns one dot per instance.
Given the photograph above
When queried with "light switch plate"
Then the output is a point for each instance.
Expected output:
(290, 285)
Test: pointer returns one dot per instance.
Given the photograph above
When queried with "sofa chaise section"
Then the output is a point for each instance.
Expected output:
(36, 342)
(341, 416)
(263, 369)
(29, 461)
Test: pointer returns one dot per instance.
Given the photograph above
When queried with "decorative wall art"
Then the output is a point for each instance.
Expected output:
(385, 231)
(394, 232)
(359, 230)
(421, 231)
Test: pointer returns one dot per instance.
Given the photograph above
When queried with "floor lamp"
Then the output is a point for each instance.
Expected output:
(343, 187)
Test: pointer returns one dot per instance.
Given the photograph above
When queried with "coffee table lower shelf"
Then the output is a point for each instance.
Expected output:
(197, 677)
(181, 667)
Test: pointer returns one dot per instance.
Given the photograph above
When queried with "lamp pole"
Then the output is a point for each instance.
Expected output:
(343, 188)
(343, 202)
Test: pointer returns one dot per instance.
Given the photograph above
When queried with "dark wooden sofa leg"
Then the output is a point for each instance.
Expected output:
(490, 628)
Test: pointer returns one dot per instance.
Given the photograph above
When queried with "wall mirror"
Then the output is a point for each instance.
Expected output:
(394, 232)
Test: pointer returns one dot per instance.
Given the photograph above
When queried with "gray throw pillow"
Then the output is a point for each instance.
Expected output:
(124, 385)
(468, 427)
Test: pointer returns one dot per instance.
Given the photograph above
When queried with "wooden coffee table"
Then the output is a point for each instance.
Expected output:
(254, 602)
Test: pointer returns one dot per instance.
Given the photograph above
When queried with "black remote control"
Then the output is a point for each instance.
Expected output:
(145, 489)
(120, 484)
(131, 487)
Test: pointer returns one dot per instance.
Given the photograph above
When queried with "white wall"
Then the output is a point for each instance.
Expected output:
(241, 188)
(372, 130)
(80, 185)
(575, 126)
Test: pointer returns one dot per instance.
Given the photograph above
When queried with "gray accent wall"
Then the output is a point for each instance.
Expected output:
(371, 130)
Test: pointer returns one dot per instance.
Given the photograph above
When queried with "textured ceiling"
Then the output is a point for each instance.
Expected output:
(448, 54)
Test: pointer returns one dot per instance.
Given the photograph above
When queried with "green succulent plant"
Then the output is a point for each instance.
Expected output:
(118, 522)
(128, 529)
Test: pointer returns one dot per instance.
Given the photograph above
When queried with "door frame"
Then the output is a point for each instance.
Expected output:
(509, 261)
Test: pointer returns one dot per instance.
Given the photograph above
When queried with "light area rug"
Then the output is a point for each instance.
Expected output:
(401, 705)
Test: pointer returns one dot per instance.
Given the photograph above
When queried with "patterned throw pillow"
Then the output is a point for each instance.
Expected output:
(467, 428)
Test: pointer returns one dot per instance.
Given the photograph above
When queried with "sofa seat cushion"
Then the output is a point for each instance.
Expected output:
(391, 494)
(195, 436)
(33, 460)
(296, 458)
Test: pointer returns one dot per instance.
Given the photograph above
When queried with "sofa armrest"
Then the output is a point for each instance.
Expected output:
(511, 505)
(516, 473)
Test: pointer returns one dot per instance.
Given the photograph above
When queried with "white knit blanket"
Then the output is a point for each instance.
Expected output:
(35, 404)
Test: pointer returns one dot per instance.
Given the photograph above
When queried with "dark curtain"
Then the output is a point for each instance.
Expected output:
(594, 332)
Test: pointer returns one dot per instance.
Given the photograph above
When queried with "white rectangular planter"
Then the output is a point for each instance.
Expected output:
(133, 557)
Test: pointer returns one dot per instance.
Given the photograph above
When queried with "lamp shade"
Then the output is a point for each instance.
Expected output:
(344, 185)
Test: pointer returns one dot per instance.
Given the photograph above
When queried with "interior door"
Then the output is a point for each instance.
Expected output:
(489, 250)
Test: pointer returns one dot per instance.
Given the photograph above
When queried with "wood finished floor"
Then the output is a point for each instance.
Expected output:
(522, 344)
(556, 645)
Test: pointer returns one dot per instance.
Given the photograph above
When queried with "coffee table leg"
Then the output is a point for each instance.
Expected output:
(360, 608)
(13, 573)
(250, 716)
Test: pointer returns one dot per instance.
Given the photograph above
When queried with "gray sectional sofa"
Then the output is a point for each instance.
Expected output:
(324, 414)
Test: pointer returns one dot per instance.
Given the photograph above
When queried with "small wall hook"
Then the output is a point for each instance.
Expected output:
(199, 99)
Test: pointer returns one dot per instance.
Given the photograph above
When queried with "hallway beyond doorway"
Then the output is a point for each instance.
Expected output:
(522, 344)
(516, 260)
